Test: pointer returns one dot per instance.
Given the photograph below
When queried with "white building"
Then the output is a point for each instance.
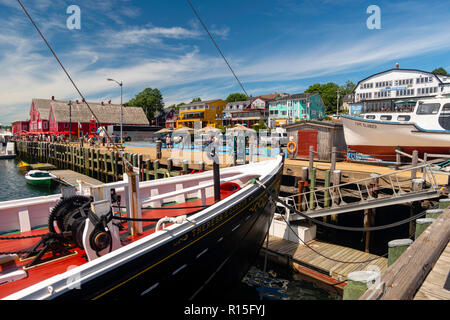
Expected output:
(399, 88)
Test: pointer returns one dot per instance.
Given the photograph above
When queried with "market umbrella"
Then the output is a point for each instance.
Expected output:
(399, 101)
(164, 130)
(209, 128)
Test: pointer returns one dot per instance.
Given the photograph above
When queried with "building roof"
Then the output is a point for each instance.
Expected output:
(239, 102)
(199, 103)
(397, 70)
(106, 113)
(297, 96)
(43, 106)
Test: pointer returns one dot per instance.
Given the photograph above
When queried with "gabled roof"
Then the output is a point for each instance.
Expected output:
(106, 113)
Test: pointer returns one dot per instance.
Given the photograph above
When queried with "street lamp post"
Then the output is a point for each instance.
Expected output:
(121, 108)
(70, 121)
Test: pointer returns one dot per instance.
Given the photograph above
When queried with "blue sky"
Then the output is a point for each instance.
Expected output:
(273, 46)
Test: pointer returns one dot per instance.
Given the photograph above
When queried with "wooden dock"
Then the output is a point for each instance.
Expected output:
(437, 284)
(422, 270)
(309, 263)
(70, 177)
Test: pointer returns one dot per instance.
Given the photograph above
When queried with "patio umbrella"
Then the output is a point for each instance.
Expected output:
(399, 101)
(209, 128)
(164, 130)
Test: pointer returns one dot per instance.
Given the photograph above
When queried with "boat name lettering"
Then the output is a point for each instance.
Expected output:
(366, 125)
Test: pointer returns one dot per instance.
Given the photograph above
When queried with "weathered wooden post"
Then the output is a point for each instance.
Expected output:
(358, 282)
(333, 159)
(434, 213)
(155, 169)
(158, 149)
(312, 186)
(421, 225)
(326, 194)
(311, 158)
(444, 203)
(169, 166)
(148, 168)
(415, 157)
(185, 166)
(396, 248)
(305, 173)
(398, 157)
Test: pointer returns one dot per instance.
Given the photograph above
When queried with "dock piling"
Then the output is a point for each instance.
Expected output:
(396, 248)
(358, 282)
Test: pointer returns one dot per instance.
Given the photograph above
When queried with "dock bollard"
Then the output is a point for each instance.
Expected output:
(358, 282)
(326, 195)
(434, 213)
(421, 225)
(396, 248)
(444, 203)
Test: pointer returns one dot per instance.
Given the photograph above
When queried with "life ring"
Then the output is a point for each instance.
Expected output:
(290, 145)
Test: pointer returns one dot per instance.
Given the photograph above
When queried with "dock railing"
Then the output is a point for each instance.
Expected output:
(378, 190)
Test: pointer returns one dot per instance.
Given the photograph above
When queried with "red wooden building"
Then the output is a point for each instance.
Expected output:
(50, 116)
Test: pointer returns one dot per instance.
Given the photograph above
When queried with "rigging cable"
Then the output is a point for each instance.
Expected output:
(128, 165)
(217, 47)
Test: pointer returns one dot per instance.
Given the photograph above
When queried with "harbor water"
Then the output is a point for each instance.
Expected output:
(13, 185)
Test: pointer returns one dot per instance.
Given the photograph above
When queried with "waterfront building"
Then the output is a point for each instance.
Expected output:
(56, 116)
(287, 109)
(171, 117)
(79, 119)
(20, 126)
(208, 113)
(399, 89)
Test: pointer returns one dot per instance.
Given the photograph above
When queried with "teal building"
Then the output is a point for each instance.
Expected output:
(287, 109)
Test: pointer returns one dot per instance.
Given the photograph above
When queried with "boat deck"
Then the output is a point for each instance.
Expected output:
(44, 271)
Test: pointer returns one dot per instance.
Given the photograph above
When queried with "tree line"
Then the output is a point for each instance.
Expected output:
(151, 99)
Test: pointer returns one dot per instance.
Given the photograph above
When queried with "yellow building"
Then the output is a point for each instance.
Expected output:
(209, 113)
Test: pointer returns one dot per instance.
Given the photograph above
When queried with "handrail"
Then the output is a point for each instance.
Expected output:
(371, 178)
(192, 189)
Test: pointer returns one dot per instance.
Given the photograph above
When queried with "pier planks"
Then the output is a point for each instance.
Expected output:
(301, 255)
(433, 287)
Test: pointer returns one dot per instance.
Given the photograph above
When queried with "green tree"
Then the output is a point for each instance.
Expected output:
(196, 100)
(328, 92)
(150, 100)
(440, 71)
(236, 97)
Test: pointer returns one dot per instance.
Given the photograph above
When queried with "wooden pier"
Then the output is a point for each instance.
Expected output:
(312, 265)
(437, 284)
(72, 178)
(421, 271)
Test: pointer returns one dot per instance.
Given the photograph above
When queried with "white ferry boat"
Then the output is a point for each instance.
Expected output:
(424, 127)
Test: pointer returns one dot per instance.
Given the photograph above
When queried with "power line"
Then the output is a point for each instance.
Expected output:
(217, 47)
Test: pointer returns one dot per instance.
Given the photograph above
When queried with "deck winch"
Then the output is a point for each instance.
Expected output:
(86, 224)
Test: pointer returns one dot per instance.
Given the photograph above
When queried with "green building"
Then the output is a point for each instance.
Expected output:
(287, 109)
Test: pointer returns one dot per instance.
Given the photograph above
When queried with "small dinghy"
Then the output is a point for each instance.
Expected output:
(39, 178)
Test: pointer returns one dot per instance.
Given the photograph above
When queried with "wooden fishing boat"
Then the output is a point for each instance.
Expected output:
(40, 178)
(425, 128)
(186, 243)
